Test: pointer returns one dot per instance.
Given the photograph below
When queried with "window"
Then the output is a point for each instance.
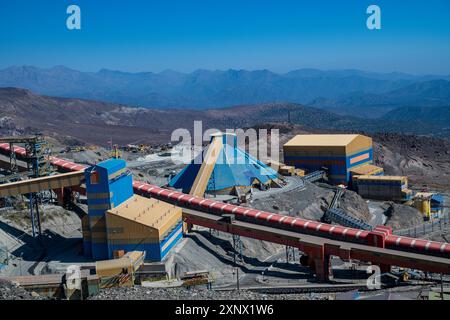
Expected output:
(94, 177)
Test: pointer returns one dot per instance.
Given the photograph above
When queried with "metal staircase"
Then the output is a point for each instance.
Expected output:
(341, 217)
(315, 176)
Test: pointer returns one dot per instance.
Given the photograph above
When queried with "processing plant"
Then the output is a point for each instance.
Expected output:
(223, 168)
(126, 216)
(339, 153)
(122, 221)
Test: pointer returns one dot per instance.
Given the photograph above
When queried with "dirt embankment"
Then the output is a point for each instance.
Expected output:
(310, 203)
(354, 205)
(305, 203)
(401, 216)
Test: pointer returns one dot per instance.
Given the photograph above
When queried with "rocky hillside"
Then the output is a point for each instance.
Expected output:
(97, 122)
(22, 111)
(425, 160)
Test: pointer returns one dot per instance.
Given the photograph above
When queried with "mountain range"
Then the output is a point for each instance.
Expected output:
(89, 121)
(432, 93)
(340, 91)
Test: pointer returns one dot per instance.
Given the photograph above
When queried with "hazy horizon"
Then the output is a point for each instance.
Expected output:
(226, 69)
(179, 35)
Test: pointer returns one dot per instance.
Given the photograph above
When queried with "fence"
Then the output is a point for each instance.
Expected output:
(426, 228)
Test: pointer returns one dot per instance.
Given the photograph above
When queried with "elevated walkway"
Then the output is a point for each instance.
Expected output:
(43, 183)
(333, 214)
(315, 176)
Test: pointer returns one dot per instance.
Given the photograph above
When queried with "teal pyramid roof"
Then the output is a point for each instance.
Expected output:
(234, 167)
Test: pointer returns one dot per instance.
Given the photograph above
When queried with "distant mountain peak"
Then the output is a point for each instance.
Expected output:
(209, 88)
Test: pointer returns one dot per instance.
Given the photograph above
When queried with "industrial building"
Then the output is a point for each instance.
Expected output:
(341, 154)
(144, 224)
(366, 170)
(394, 188)
(222, 167)
(108, 184)
(118, 220)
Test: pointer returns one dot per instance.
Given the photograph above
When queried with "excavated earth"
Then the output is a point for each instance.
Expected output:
(11, 291)
(425, 160)
(401, 216)
(143, 293)
(311, 202)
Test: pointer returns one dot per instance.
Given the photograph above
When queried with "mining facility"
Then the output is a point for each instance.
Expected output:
(134, 233)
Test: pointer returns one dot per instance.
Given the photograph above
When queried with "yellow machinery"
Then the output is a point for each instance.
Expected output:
(115, 153)
(290, 171)
(422, 202)
(286, 170)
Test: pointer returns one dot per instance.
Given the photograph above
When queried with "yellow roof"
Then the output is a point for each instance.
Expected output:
(112, 264)
(324, 140)
(149, 212)
(381, 178)
(366, 169)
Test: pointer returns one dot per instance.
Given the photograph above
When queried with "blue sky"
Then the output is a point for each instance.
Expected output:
(184, 35)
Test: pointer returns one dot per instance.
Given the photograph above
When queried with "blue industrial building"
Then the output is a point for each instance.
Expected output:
(135, 223)
(338, 153)
(233, 168)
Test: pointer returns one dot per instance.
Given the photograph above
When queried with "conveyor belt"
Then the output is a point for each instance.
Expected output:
(62, 180)
(306, 243)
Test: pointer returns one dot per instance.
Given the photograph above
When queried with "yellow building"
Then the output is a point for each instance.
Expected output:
(144, 224)
(339, 153)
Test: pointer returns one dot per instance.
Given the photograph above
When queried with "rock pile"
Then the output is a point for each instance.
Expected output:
(143, 293)
(11, 291)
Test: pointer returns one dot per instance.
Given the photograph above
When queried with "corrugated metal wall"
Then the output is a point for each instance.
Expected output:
(107, 185)
(338, 159)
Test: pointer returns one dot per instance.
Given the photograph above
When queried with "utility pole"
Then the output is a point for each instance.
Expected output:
(20, 263)
(442, 287)
(237, 279)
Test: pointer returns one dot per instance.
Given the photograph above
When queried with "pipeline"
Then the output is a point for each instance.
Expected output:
(380, 237)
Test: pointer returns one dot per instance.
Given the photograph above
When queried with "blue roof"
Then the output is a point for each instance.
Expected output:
(234, 167)
(112, 165)
(437, 198)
